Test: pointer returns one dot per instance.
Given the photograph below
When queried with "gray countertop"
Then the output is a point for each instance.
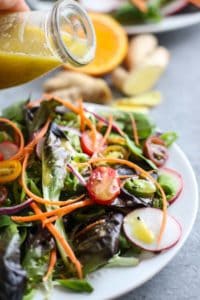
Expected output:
(180, 111)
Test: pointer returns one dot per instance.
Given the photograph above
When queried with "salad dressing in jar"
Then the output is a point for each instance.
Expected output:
(33, 43)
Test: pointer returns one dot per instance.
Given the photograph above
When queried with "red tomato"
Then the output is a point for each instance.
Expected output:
(1, 156)
(87, 144)
(103, 185)
(155, 149)
(8, 149)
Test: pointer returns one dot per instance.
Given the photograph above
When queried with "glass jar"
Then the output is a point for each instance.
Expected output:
(33, 43)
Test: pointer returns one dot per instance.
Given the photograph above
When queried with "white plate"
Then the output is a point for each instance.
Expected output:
(167, 24)
(113, 282)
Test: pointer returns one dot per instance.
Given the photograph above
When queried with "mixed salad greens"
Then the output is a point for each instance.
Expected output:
(130, 12)
(79, 191)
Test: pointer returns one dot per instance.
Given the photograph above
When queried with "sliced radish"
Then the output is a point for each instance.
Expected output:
(171, 182)
(142, 227)
(8, 149)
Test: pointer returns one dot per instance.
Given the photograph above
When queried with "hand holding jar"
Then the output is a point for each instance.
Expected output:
(13, 5)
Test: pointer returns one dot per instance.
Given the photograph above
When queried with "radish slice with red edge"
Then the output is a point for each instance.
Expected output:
(142, 228)
(171, 182)
(8, 149)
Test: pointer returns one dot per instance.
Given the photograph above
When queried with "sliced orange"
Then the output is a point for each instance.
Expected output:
(112, 46)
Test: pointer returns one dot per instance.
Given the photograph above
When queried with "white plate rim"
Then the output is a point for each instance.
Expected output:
(169, 23)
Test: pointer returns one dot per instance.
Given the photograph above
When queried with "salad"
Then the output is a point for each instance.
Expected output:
(138, 11)
(80, 191)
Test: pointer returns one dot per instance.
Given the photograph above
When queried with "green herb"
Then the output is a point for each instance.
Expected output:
(55, 156)
(169, 137)
(120, 261)
(77, 285)
(169, 185)
(129, 14)
(5, 221)
(140, 187)
(137, 152)
(15, 112)
(30, 295)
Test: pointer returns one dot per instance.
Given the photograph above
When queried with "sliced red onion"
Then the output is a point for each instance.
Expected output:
(15, 209)
(102, 119)
(77, 174)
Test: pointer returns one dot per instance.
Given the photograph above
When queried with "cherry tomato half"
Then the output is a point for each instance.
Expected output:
(3, 194)
(103, 185)
(155, 149)
(87, 144)
(8, 149)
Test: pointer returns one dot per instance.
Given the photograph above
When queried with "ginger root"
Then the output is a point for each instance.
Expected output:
(139, 48)
(72, 85)
(146, 61)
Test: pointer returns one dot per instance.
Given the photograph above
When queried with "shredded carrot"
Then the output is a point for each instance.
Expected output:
(100, 124)
(140, 4)
(56, 212)
(52, 263)
(37, 198)
(29, 148)
(20, 135)
(35, 207)
(50, 220)
(103, 141)
(125, 176)
(60, 239)
(146, 175)
(135, 132)
(82, 115)
(195, 2)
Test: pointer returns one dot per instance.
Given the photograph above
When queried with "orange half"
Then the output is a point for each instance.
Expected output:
(112, 46)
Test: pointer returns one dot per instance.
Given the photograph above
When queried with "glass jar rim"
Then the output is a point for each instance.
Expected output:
(64, 52)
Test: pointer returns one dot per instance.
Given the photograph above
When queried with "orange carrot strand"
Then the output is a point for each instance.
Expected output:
(82, 115)
(50, 220)
(60, 239)
(56, 212)
(135, 132)
(52, 263)
(140, 4)
(103, 141)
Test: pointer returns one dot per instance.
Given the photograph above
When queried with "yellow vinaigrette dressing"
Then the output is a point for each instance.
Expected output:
(22, 61)
(33, 43)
